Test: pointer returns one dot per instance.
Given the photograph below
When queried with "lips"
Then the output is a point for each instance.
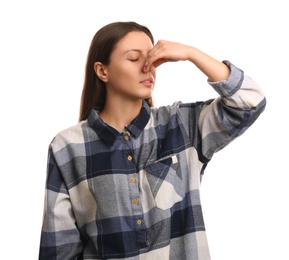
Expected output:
(148, 81)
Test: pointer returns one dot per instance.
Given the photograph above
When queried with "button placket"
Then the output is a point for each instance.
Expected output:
(134, 192)
(127, 143)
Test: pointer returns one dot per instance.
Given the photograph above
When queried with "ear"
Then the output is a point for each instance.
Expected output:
(100, 71)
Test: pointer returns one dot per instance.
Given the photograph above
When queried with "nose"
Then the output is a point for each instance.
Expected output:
(151, 69)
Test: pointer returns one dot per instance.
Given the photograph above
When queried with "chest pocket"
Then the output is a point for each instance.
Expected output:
(165, 181)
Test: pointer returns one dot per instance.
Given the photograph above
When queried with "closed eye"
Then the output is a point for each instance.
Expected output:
(134, 60)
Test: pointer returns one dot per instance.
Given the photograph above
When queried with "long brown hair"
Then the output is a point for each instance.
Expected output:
(101, 47)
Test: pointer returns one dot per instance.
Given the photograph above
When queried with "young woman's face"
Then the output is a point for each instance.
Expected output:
(125, 76)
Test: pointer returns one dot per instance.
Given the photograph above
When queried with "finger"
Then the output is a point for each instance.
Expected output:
(154, 59)
(148, 68)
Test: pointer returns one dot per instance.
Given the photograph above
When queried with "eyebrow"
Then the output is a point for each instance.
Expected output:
(137, 50)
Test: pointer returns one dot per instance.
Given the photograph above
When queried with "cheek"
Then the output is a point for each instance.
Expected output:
(124, 72)
(116, 72)
(123, 75)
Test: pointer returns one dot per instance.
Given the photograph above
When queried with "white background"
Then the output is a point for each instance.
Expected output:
(42, 57)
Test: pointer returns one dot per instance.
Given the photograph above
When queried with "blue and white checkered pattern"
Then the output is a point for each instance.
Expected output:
(135, 194)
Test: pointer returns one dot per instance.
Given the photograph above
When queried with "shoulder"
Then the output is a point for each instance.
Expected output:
(69, 136)
(176, 108)
(168, 109)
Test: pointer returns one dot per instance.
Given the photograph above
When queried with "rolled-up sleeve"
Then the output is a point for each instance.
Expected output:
(240, 103)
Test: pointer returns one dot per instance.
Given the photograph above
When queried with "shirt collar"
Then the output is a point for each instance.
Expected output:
(109, 134)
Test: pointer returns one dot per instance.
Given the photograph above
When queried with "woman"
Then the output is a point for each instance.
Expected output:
(124, 182)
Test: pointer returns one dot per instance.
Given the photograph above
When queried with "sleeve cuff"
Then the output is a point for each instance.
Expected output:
(226, 88)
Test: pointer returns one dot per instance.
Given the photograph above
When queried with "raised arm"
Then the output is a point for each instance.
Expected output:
(166, 51)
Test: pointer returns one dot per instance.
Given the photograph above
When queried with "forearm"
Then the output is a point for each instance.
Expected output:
(215, 70)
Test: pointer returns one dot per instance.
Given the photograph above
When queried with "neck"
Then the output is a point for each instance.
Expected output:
(119, 114)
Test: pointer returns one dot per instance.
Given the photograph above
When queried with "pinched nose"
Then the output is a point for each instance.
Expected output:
(150, 68)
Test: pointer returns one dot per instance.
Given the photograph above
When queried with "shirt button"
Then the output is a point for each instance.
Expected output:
(139, 222)
(129, 158)
(132, 180)
(126, 137)
(135, 201)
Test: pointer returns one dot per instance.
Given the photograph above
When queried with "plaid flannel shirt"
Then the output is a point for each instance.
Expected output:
(135, 194)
